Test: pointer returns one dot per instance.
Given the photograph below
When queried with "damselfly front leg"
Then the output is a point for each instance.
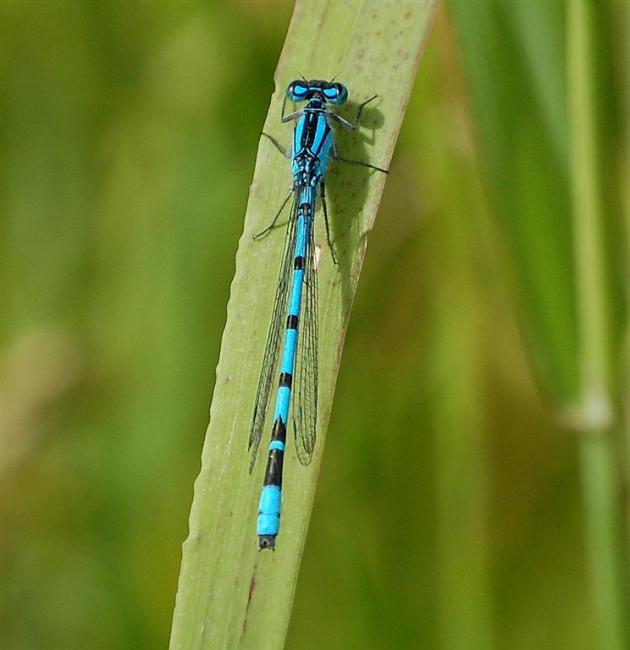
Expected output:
(349, 126)
(285, 152)
(325, 209)
(291, 116)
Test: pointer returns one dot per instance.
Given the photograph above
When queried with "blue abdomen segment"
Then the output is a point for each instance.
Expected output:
(283, 401)
(296, 293)
(269, 511)
(290, 347)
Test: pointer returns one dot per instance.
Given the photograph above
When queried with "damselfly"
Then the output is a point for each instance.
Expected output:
(296, 294)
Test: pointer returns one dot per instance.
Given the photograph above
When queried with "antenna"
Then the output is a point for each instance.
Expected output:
(302, 77)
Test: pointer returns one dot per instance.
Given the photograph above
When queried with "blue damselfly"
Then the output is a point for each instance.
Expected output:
(296, 294)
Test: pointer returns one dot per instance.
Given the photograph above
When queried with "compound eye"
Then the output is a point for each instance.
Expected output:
(297, 91)
(336, 94)
(342, 93)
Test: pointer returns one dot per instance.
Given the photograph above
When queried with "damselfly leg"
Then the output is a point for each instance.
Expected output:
(349, 126)
(272, 225)
(325, 209)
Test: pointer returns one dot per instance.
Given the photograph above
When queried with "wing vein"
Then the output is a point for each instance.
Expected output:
(305, 410)
(274, 340)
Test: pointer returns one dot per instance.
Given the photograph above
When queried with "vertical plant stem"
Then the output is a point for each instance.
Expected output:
(600, 469)
(624, 18)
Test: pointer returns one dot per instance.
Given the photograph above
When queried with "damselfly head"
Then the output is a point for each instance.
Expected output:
(328, 91)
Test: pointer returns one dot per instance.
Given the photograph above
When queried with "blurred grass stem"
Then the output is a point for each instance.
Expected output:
(600, 470)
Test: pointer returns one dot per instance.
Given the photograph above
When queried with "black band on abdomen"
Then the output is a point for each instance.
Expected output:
(273, 472)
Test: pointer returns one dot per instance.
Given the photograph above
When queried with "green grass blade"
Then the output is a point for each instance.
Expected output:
(515, 105)
(230, 595)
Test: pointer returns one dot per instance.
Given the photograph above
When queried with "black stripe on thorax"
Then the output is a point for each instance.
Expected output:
(310, 128)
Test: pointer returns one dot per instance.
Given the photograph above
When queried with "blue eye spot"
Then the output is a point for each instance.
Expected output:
(330, 93)
(297, 91)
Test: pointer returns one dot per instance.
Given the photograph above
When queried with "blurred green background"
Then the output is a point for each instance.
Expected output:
(449, 512)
